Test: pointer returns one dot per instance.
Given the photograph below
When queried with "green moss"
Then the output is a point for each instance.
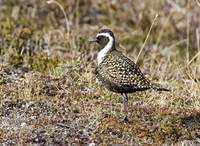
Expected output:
(43, 62)
(17, 60)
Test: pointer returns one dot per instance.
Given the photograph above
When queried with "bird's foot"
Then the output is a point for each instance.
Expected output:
(125, 119)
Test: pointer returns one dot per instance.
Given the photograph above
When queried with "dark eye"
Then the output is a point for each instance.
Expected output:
(99, 37)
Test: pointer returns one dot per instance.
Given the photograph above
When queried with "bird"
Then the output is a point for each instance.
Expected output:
(117, 72)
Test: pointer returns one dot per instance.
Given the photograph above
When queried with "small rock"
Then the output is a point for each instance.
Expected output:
(92, 144)
(23, 124)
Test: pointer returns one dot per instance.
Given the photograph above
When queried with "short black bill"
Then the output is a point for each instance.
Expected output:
(92, 40)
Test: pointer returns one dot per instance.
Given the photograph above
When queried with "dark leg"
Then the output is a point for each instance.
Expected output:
(125, 102)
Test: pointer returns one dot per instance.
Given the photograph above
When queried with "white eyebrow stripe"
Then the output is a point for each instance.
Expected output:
(104, 50)
(104, 34)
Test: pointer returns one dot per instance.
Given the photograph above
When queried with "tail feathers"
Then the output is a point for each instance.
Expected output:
(162, 89)
(158, 88)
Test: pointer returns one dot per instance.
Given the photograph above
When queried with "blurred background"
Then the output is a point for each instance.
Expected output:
(63, 28)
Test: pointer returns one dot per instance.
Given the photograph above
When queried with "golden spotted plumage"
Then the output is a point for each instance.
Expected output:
(124, 73)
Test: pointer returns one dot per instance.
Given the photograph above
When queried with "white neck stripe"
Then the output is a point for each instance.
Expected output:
(104, 50)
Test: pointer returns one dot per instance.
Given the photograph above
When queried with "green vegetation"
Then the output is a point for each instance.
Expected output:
(50, 95)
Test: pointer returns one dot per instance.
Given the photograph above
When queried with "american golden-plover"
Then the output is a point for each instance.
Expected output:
(117, 72)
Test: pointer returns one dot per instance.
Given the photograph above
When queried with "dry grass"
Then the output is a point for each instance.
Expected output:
(49, 94)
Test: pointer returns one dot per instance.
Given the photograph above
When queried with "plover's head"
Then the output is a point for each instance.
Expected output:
(105, 38)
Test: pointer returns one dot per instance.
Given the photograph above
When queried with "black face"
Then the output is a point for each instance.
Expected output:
(102, 40)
